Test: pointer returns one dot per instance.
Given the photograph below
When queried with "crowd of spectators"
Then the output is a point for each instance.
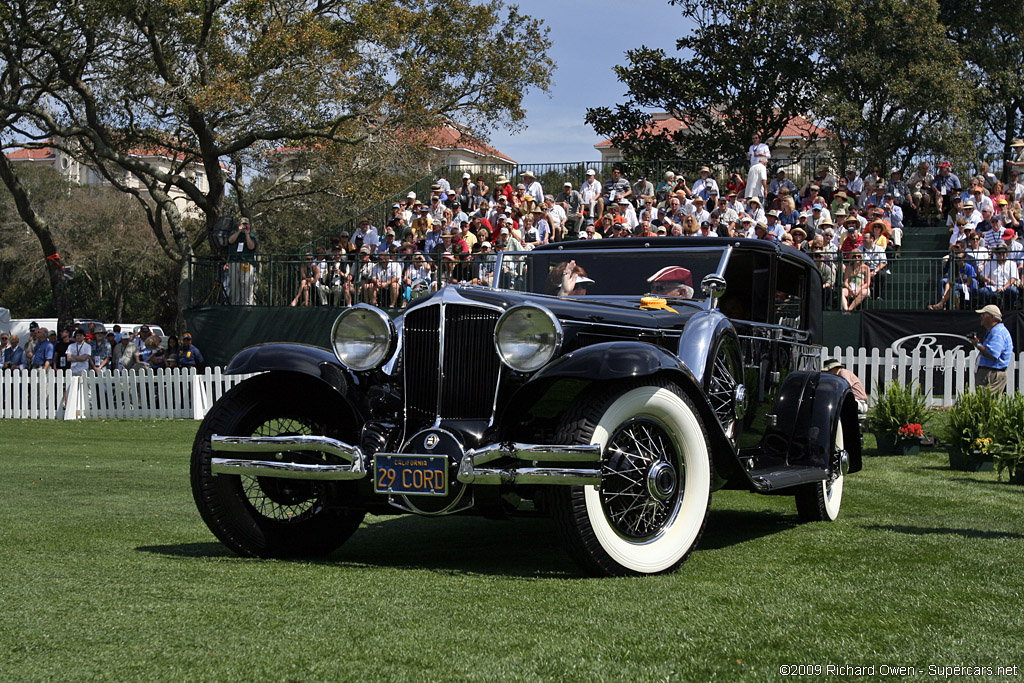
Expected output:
(81, 348)
(851, 223)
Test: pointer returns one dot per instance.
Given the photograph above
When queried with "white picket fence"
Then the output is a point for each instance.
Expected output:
(147, 394)
(184, 393)
(941, 375)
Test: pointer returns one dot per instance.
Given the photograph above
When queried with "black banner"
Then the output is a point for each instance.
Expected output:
(934, 331)
(928, 334)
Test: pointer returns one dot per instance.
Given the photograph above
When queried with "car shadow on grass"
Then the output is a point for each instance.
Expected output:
(731, 527)
(527, 548)
(945, 531)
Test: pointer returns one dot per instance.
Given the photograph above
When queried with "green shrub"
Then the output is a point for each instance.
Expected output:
(897, 404)
(1008, 433)
(972, 417)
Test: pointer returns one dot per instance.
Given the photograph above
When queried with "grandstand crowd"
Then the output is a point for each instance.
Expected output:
(852, 225)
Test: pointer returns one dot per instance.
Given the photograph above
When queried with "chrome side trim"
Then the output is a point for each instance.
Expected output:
(287, 470)
(286, 444)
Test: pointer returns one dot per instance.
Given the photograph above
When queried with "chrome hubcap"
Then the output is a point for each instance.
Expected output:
(661, 481)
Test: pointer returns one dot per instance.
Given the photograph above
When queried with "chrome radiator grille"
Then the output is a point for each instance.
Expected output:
(459, 380)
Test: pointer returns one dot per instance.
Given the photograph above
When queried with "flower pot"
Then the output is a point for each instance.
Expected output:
(886, 443)
(898, 445)
(908, 446)
(969, 461)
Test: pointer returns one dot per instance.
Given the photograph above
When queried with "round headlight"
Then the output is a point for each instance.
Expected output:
(363, 337)
(527, 337)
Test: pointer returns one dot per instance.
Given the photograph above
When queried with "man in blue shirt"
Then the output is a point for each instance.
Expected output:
(995, 351)
(42, 354)
(189, 356)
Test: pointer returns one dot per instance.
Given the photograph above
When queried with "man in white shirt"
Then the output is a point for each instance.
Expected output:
(78, 354)
(591, 193)
(533, 187)
(757, 149)
(705, 184)
(1000, 279)
(757, 179)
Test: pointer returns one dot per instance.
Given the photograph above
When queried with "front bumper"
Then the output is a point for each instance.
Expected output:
(497, 464)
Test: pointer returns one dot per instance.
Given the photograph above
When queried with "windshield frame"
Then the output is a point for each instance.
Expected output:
(709, 301)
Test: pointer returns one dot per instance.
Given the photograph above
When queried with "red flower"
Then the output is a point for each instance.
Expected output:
(911, 431)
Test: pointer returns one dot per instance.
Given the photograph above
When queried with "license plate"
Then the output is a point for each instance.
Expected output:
(410, 475)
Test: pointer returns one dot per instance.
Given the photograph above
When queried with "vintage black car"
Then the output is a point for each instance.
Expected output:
(611, 384)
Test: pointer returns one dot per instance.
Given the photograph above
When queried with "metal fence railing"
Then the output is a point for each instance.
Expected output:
(278, 279)
(910, 280)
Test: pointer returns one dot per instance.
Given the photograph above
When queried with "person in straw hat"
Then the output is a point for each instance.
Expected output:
(1016, 160)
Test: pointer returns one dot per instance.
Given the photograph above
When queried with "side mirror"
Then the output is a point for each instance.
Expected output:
(713, 285)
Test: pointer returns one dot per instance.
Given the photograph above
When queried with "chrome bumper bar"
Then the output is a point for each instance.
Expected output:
(583, 462)
(280, 445)
(472, 472)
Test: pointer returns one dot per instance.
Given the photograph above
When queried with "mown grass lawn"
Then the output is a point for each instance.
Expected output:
(108, 573)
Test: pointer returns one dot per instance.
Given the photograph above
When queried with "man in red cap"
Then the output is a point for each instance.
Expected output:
(672, 281)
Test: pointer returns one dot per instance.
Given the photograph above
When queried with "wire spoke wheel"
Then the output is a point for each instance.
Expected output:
(650, 509)
(642, 479)
(721, 391)
(284, 500)
(266, 516)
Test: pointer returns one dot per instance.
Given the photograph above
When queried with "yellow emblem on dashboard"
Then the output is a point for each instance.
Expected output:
(656, 302)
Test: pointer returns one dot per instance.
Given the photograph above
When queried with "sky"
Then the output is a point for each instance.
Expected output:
(588, 39)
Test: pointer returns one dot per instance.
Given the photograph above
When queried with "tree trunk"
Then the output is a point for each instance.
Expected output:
(39, 226)
(1011, 125)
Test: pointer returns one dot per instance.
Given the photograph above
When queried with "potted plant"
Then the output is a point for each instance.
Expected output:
(909, 438)
(1008, 447)
(971, 429)
(898, 406)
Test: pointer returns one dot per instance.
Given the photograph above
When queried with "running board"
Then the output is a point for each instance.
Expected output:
(771, 480)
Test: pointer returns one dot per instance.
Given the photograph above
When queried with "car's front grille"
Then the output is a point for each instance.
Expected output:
(466, 369)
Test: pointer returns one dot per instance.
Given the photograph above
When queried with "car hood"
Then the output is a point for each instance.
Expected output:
(593, 310)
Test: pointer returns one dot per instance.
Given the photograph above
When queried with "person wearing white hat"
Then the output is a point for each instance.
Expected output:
(533, 187)
(1016, 160)
(465, 192)
(835, 367)
(591, 193)
(995, 352)
(703, 186)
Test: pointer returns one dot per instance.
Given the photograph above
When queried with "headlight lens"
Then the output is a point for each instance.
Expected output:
(527, 337)
(363, 337)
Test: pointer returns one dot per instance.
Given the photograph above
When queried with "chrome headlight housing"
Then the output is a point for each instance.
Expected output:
(363, 337)
(527, 337)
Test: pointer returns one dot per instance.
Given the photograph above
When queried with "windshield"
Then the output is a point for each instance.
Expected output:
(668, 273)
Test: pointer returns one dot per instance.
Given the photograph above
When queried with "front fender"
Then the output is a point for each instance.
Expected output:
(302, 358)
(613, 360)
(698, 339)
(621, 360)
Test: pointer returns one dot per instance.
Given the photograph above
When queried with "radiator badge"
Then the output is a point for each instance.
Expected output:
(431, 441)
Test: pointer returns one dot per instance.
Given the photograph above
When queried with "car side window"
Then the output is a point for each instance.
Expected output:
(746, 294)
(789, 295)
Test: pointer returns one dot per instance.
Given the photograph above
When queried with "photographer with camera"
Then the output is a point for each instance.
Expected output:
(242, 246)
(996, 351)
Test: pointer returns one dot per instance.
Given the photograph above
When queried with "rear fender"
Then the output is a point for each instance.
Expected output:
(808, 409)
